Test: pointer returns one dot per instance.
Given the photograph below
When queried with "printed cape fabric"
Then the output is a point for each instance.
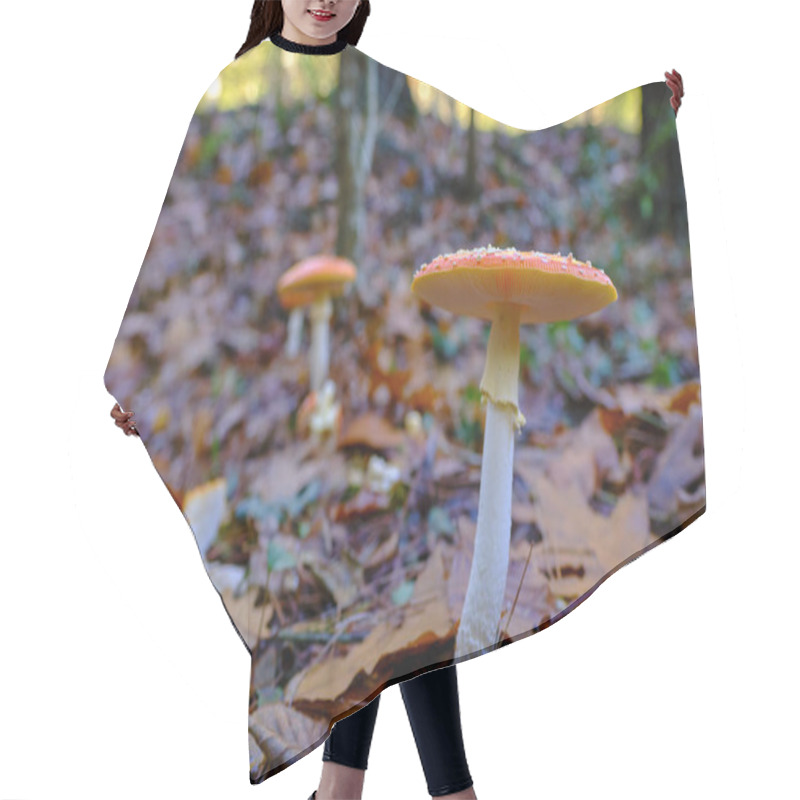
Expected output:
(328, 445)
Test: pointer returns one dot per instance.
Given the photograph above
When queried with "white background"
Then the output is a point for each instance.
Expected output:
(120, 673)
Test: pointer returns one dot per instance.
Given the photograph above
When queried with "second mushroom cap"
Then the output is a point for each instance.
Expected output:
(317, 274)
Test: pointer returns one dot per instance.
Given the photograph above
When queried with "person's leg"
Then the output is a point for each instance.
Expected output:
(433, 710)
(346, 753)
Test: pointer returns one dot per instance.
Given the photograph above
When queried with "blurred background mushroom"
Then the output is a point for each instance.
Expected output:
(314, 281)
(509, 288)
(294, 302)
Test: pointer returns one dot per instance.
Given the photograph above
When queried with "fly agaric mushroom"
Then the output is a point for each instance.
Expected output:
(314, 281)
(294, 303)
(509, 288)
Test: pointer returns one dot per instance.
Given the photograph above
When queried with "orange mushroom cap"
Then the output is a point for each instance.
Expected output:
(310, 277)
(547, 287)
(293, 299)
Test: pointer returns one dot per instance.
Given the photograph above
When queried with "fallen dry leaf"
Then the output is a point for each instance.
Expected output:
(341, 579)
(402, 312)
(365, 502)
(529, 600)
(686, 395)
(581, 544)
(675, 468)
(377, 553)
(373, 431)
(404, 639)
(287, 471)
(588, 453)
(279, 733)
(251, 621)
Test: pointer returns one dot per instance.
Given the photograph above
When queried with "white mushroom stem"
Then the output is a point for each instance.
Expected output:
(295, 330)
(320, 315)
(483, 603)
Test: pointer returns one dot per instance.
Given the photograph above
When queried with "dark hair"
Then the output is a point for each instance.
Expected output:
(266, 18)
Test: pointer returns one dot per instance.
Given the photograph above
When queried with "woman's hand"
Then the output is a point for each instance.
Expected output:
(123, 420)
(675, 83)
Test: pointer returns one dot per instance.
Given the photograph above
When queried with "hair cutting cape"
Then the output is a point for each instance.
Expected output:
(325, 444)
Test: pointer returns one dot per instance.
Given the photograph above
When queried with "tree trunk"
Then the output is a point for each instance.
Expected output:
(471, 177)
(276, 84)
(659, 149)
(404, 108)
(350, 199)
(358, 122)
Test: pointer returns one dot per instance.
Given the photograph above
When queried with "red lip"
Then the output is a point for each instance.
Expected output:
(322, 16)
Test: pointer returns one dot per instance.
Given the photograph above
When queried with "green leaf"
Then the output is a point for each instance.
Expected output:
(402, 594)
(398, 495)
(528, 356)
(444, 347)
(308, 494)
(472, 393)
(666, 372)
(349, 493)
(269, 694)
(468, 431)
(439, 521)
(574, 338)
(646, 206)
(278, 557)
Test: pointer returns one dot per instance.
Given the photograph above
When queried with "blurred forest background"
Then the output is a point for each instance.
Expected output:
(286, 158)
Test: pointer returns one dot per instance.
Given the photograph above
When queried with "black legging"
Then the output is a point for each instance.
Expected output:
(432, 706)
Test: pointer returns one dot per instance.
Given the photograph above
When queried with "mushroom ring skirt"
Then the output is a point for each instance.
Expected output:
(419, 381)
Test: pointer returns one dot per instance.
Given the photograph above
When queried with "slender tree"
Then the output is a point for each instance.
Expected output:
(359, 119)
(660, 150)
